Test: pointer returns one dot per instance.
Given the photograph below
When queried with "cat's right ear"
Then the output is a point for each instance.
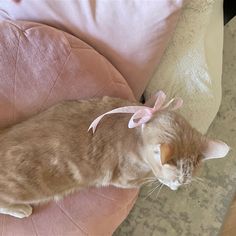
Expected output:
(213, 149)
(166, 153)
(163, 154)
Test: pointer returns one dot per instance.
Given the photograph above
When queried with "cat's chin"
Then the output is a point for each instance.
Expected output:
(174, 188)
(171, 186)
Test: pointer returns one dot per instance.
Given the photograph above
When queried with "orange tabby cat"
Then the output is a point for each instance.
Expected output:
(53, 154)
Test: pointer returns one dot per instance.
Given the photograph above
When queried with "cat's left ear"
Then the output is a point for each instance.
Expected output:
(214, 149)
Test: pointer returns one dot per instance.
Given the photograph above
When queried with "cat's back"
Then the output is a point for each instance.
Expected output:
(62, 122)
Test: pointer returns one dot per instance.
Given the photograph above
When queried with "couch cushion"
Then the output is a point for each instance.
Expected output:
(192, 64)
(41, 66)
(131, 34)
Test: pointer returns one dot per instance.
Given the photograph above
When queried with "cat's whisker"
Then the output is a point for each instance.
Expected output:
(199, 179)
(149, 182)
(199, 182)
(150, 192)
(159, 190)
(150, 177)
(187, 186)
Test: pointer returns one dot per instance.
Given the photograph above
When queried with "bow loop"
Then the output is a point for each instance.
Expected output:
(140, 117)
(173, 104)
(156, 101)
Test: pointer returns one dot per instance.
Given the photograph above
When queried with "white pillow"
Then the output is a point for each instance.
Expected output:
(191, 67)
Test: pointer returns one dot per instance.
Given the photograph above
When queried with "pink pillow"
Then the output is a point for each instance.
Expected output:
(131, 34)
(40, 66)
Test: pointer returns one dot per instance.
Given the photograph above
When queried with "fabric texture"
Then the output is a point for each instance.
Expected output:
(41, 66)
(132, 35)
(191, 67)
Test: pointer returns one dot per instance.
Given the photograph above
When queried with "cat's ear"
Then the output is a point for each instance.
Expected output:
(166, 153)
(214, 149)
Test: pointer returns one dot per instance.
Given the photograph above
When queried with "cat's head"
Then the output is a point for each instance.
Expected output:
(176, 149)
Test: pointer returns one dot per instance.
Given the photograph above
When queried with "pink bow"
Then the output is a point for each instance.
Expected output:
(142, 114)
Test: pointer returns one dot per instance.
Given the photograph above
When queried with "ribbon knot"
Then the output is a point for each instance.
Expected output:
(142, 114)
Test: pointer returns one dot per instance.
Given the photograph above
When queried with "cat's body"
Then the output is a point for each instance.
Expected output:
(53, 154)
